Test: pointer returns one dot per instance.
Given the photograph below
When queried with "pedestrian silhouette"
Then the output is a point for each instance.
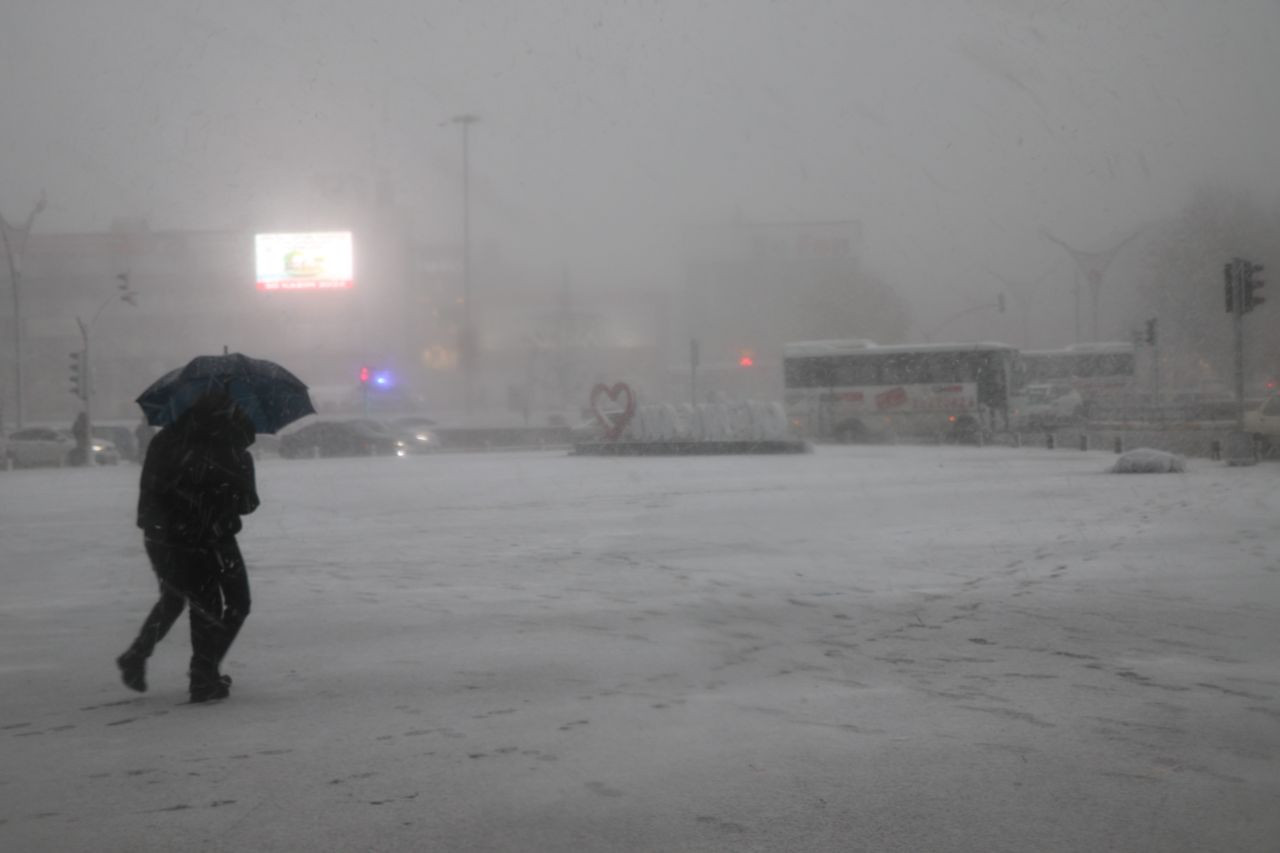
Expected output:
(197, 481)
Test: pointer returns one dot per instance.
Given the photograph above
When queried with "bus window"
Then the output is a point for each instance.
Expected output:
(855, 370)
(807, 373)
(900, 369)
(946, 368)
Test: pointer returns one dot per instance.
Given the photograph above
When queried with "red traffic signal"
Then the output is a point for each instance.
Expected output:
(365, 373)
(746, 361)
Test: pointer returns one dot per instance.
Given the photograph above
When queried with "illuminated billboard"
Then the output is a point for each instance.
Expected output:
(306, 261)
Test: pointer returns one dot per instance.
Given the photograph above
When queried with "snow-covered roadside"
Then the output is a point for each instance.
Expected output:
(865, 648)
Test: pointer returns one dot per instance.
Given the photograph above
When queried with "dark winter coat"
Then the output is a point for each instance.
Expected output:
(198, 478)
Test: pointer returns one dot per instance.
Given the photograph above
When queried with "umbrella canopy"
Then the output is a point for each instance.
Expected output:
(271, 396)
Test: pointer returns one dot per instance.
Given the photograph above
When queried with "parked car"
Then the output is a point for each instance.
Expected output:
(360, 437)
(34, 446)
(1264, 424)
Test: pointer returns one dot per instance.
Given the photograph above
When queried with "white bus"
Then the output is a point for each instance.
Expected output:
(858, 390)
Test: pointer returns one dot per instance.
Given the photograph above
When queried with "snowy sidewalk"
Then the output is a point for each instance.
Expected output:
(878, 648)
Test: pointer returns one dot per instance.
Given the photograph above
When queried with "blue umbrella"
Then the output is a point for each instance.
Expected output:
(271, 396)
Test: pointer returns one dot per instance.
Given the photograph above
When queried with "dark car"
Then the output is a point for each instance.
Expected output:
(121, 436)
(414, 435)
(340, 438)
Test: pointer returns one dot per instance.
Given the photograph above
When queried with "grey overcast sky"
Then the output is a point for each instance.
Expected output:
(952, 129)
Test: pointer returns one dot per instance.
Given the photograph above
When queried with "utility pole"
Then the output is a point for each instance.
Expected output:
(15, 240)
(467, 343)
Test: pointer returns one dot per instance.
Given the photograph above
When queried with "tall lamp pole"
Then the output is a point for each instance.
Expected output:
(467, 344)
(125, 294)
(1091, 266)
(15, 239)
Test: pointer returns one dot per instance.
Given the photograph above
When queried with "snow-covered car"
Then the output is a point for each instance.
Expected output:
(35, 446)
(1045, 405)
(1264, 423)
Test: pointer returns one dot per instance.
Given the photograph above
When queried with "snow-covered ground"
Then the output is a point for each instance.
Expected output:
(877, 648)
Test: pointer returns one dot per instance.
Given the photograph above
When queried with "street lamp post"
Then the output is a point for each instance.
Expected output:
(467, 343)
(124, 294)
(1091, 266)
(15, 239)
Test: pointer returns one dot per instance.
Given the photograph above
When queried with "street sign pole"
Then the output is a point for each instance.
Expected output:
(693, 371)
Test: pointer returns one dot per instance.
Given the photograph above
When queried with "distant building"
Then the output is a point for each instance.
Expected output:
(541, 345)
(195, 294)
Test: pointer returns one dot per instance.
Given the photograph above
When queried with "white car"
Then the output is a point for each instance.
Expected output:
(37, 446)
(34, 446)
(1264, 423)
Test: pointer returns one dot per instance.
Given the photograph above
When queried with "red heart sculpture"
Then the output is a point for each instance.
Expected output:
(613, 426)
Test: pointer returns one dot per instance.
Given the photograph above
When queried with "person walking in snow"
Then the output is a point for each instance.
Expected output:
(197, 481)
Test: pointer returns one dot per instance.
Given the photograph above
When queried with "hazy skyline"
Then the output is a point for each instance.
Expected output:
(951, 131)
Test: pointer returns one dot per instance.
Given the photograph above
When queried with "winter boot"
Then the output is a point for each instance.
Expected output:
(206, 687)
(133, 671)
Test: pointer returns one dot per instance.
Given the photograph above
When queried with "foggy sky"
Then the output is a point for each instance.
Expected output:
(951, 130)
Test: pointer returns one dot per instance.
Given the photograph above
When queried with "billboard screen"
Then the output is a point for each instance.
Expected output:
(305, 261)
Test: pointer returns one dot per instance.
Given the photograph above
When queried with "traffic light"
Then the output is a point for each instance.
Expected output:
(1250, 287)
(365, 374)
(1229, 280)
(79, 381)
(1151, 331)
(746, 359)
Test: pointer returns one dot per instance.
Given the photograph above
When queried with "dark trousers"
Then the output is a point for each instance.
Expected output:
(211, 578)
